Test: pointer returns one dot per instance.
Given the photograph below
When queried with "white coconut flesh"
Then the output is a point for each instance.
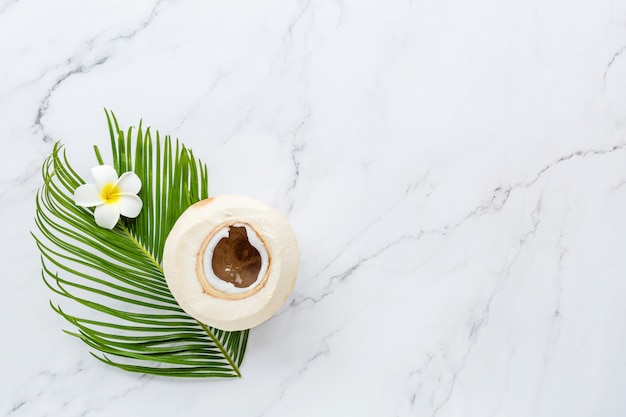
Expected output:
(231, 261)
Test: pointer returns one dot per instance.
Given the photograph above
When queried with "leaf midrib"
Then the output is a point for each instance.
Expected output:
(202, 325)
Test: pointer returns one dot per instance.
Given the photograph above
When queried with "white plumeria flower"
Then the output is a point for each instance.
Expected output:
(110, 195)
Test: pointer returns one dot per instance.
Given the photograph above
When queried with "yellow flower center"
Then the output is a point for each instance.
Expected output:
(110, 193)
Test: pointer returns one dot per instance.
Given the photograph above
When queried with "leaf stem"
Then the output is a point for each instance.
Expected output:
(204, 326)
(220, 347)
(141, 247)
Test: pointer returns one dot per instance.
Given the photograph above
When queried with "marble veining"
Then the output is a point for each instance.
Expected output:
(454, 171)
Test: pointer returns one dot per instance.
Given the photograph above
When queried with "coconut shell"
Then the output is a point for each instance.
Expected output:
(190, 243)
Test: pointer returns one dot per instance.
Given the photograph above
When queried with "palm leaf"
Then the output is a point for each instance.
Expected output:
(130, 318)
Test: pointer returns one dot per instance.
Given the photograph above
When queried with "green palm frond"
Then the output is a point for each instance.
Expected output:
(136, 324)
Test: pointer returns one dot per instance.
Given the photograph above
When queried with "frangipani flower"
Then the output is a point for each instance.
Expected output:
(110, 195)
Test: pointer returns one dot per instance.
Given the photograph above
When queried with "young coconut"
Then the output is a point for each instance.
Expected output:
(231, 261)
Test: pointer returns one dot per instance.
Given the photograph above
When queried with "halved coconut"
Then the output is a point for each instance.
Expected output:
(231, 261)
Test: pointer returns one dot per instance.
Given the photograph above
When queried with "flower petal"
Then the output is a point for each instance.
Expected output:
(104, 174)
(87, 195)
(129, 183)
(107, 215)
(130, 205)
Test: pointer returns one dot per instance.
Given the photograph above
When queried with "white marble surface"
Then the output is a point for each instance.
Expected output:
(455, 172)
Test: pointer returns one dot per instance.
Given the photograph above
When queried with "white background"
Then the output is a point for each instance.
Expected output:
(455, 172)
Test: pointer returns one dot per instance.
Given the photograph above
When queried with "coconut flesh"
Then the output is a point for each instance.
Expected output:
(231, 261)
